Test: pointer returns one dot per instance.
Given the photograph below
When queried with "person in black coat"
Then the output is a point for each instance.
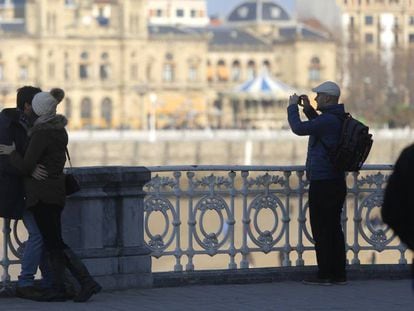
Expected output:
(398, 207)
(14, 125)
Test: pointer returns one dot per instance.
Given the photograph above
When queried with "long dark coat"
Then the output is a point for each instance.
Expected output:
(12, 194)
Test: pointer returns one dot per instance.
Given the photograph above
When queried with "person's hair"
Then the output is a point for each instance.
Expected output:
(25, 94)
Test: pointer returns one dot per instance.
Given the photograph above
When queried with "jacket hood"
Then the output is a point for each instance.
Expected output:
(57, 123)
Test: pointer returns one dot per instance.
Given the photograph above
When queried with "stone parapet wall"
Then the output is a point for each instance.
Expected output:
(103, 223)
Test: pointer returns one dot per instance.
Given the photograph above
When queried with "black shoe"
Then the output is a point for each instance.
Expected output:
(317, 281)
(32, 293)
(340, 281)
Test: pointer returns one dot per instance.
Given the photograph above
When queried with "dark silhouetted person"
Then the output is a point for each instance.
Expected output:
(398, 206)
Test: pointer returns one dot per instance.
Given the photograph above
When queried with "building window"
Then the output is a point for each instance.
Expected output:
(86, 112)
(266, 67)
(251, 69)
(23, 73)
(411, 20)
(84, 55)
(83, 71)
(369, 20)
(168, 73)
(106, 112)
(192, 73)
(105, 71)
(1, 72)
(179, 13)
(235, 71)
(369, 38)
(159, 13)
(193, 13)
(315, 69)
(411, 38)
(222, 71)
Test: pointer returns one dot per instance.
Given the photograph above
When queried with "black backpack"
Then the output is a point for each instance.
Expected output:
(353, 147)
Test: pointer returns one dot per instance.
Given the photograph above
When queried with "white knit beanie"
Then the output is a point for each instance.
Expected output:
(45, 103)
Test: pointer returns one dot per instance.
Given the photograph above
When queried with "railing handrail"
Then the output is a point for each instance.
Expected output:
(281, 168)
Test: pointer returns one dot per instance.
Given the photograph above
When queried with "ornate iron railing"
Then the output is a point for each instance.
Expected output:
(191, 211)
(232, 212)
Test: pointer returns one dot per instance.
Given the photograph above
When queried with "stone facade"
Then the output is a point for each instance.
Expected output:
(119, 71)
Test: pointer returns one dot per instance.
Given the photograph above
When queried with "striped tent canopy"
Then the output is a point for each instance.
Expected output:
(264, 87)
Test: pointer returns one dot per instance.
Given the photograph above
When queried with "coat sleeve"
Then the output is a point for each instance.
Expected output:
(310, 113)
(315, 126)
(37, 146)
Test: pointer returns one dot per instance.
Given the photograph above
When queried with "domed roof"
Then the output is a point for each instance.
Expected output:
(258, 10)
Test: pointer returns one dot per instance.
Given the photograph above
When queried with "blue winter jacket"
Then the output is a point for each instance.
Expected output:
(326, 127)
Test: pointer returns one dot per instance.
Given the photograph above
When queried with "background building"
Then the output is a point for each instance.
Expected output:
(123, 66)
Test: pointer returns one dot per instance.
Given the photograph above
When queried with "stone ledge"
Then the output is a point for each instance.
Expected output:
(280, 274)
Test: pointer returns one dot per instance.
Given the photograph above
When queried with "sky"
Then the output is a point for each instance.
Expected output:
(223, 7)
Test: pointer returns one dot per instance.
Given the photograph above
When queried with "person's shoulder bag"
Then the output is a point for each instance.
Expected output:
(71, 182)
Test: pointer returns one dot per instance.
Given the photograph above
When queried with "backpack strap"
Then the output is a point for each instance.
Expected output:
(341, 117)
(67, 154)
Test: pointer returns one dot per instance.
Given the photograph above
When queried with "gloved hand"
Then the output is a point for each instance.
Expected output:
(294, 99)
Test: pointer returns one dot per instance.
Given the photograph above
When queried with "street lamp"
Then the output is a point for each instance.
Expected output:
(153, 117)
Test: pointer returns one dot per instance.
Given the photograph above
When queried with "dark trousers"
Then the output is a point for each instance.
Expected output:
(326, 199)
(48, 219)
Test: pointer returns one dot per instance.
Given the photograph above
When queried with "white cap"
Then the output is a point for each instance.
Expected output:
(328, 87)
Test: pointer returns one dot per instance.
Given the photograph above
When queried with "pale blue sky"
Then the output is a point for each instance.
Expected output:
(223, 7)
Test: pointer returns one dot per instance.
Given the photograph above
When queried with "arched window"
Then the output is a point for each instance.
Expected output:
(222, 72)
(84, 66)
(266, 67)
(235, 71)
(105, 67)
(86, 112)
(106, 112)
(251, 69)
(168, 72)
(315, 69)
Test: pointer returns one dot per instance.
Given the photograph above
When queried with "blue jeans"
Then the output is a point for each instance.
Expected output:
(34, 255)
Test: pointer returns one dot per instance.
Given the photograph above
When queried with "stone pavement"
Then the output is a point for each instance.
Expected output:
(377, 295)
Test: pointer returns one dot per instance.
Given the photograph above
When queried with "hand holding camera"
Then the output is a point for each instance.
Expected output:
(304, 101)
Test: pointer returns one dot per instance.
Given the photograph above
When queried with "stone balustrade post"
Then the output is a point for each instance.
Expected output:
(104, 224)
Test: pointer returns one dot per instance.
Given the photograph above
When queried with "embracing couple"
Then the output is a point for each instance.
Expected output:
(33, 142)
